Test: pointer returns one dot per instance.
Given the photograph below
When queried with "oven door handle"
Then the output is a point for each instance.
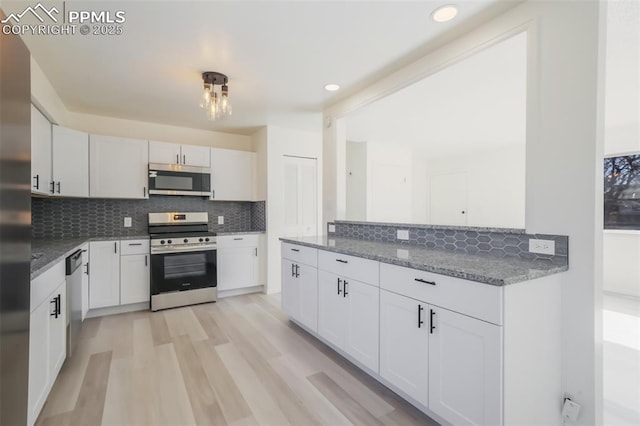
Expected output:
(167, 250)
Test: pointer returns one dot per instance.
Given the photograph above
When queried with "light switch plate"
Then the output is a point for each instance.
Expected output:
(220, 220)
(127, 222)
(542, 246)
(403, 234)
(402, 253)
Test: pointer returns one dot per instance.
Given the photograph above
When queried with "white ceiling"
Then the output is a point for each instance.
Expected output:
(278, 56)
(477, 104)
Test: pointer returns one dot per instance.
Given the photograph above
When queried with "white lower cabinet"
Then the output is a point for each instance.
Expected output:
(449, 363)
(47, 341)
(348, 316)
(85, 280)
(404, 345)
(237, 262)
(104, 283)
(119, 273)
(300, 293)
(134, 279)
(465, 369)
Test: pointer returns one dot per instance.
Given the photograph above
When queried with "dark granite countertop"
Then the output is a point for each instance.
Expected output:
(482, 268)
(46, 253)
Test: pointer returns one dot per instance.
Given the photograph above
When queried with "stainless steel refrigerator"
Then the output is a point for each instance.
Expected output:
(15, 227)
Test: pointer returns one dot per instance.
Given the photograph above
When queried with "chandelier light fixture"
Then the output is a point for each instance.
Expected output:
(215, 103)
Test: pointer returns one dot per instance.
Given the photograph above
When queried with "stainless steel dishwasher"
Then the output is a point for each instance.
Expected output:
(74, 299)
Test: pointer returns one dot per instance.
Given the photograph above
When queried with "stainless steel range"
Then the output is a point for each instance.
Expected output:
(183, 260)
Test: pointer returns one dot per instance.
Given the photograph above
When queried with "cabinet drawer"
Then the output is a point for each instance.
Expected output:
(360, 269)
(231, 241)
(478, 300)
(128, 247)
(300, 254)
(43, 285)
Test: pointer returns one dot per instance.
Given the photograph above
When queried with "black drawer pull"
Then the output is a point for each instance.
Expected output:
(135, 244)
(342, 261)
(420, 321)
(420, 280)
(433, 327)
(296, 250)
(238, 239)
(344, 288)
(339, 281)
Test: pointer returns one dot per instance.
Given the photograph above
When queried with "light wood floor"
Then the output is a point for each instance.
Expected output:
(235, 362)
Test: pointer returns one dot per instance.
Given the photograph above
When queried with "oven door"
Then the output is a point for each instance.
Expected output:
(174, 179)
(183, 271)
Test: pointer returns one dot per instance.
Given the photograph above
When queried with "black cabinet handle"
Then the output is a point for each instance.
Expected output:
(135, 244)
(55, 307)
(342, 261)
(297, 271)
(339, 281)
(420, 321)
(145, 260)
(256, 249)
(177, 158)
(344, 288)
(144, 191)
(37, 179)
(86, 269)
(184, 159)
(58, 184)
(433, 327)
(115, 247)
(238, 239)
(296, 250)
(293, 270)
(420, 280)
(53, 187)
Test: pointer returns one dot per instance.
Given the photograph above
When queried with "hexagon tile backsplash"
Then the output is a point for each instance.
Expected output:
(60, 218)
(493, 241)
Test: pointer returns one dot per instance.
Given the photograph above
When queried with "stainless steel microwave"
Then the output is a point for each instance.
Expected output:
(175, 179)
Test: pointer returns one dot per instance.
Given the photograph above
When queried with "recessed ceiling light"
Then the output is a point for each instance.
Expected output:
(331, 87)
(444, 13)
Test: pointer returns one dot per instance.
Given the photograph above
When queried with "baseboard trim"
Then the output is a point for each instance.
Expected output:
(121, 309)
(240, 291)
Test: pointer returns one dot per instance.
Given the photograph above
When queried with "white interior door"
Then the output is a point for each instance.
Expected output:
(448, 199)
(300, 195)
(391, 193)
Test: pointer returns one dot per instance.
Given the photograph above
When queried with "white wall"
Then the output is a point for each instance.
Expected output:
(45, 97)
(563, 167)
(621, 252)
(621, 249)
(496, 188)
(271, 144)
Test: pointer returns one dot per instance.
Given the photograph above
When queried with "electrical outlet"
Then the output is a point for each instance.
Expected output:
(332, 228)
(570, 410)
(402, 254)
(542, 246)
(127, 222)
(220, 220)
(403, 234)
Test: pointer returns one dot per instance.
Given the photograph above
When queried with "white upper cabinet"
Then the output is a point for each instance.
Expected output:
(175, 153)
(40, 153)
(118, 167)
(197, 156)
(232, 175)
(164, 152)
(70, 160)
